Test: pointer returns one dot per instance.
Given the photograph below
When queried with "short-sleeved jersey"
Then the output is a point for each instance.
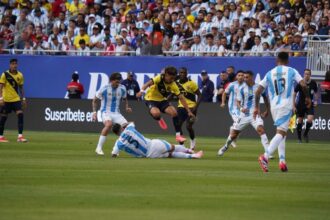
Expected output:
(311, 88)
(111, 97)
(160, 90)
(132, 142)
(11, 84)
(280, 82)
(188, 89)
(232, 90)
(247, 96)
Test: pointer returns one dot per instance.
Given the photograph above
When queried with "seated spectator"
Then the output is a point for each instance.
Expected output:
(83, 50)
(81, 36)
(257, 49)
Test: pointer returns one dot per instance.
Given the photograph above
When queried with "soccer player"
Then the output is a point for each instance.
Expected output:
(110, 96)
(301, 108)
(190, 90)
(232, 91)
(245, 103)
(280, 81)
(12, 99)
(160, 89)
(134, 143)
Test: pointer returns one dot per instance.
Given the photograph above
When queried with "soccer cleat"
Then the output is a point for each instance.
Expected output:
(162, 124)
(99, 152)
(271, 157)
(198, 155)
(180, 138)
(3, 140)
(222, 150)
(283, 167)
(22, 139)
(263, 163)
(233, 144)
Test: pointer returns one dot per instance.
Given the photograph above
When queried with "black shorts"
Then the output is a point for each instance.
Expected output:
(161, 105)
(11, 106)
(183, 114)
(302, 111)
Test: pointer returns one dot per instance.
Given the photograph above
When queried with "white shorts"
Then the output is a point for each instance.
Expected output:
(243, 121)
(158, 149)
(234, 117)
(281, 117)
(116, 118)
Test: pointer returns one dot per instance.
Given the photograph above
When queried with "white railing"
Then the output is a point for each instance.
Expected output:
(318, 55)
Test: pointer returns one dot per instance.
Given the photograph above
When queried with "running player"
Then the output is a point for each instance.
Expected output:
(156, 96)
(110, 96)
(232, 91)
(190, 90)
(301, 109)
(280, 82)
(12, 99)
(245, 103)
(134, 143)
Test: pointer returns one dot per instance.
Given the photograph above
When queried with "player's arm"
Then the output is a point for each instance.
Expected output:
(95, 104)
(22, 96)
(266, 100)
(257, 104)
(128, 109)
(199, 99)
(115, 150)
(185, 105)
(144, 87)
(1, 97)
(223, 99)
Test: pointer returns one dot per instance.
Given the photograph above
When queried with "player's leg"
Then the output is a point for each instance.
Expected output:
(3, 119)
(155, 112)
(299, 128)
(191, 131)
(107, 121)
(233, 143)
(258, 125)
(281, 155)
(309, 123)
(183, 115)
(17, 108)
(171, 111)
(179, 151)
(233, 135)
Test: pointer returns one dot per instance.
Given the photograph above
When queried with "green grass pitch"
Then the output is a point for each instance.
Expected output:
(58, 176)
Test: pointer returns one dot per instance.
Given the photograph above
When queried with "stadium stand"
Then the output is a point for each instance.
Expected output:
(169, 27)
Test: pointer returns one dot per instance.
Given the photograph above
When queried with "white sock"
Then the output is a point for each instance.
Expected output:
(281, 150)
(228, 142)
(192, 143)
(274, 143)
(176, 154)
(101, 142)
(1, 136)
(264, 141)
(177, 133)
(20, 135)
(181, 148)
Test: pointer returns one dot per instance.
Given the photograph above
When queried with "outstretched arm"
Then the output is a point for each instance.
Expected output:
(223, 100)
(266, 112)
(257, 95)
(95, 104)
(144, 87)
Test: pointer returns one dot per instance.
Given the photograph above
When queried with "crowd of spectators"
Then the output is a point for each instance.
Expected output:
(170, 27)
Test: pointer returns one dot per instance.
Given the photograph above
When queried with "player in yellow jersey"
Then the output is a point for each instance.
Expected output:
(160, 87)
(190, 90)
(12, 99)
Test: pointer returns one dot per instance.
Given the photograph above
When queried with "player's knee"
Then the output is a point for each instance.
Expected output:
(260, 130)
(155, 113)
(19, 112)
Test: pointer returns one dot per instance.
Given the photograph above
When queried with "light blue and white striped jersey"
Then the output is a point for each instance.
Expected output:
(111, 97)
(280, 82)
(246, 96)
(233, 89)
(132, 142)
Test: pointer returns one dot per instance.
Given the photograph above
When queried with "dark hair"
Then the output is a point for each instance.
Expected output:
(307, 70)
(249, 72)
(183, 69)
(115, 76)
(116, 128)
(14, 60)
(240, 71)
(171, 70)
(82, 41)
(283, 56)
(75, 77)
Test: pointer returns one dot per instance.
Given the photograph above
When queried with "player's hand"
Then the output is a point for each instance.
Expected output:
(24, 104)
(139, 94)
(264, 114)
(128, 110)
(255, 113)
(308, 102)
(2, 103)
(94, 117)
(222, 105)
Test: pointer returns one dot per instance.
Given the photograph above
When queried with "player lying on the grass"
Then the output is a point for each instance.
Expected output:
(189, 89)
(134, 143)
(232, 90)
(245, 102)
(280, 83)
(160, 87)
(110, 95)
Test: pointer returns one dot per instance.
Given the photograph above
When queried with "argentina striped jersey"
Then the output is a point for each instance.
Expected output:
(111, 97)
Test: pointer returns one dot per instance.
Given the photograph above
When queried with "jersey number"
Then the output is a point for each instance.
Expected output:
(279, 86)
